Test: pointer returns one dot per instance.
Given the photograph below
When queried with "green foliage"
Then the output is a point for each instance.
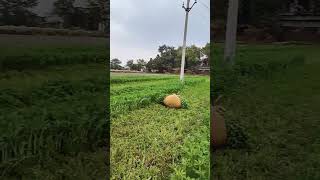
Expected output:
(138, 66)
(237, 134)
(253, 12)
(184, 104)
(170, 58)
(271, 114)
(115, 64)
(89, 18)
(195, 161)
(17, 12)
(43, 57)
(192, 56)
(137, 98)
(18, 30)
(125, 79)
(54, 128)
(151, 141)
(98, 13)
(227, 79)
(53, 119)
(165, 60)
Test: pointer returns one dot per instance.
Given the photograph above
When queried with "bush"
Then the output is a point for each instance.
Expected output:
(236, 134)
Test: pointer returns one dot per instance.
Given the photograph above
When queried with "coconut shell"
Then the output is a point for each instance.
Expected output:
(172, 101)
(218, 129)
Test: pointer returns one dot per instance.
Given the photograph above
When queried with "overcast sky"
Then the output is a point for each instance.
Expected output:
(139, 27)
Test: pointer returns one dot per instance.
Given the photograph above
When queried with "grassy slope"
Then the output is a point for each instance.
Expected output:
(281, 117)
(149, 142)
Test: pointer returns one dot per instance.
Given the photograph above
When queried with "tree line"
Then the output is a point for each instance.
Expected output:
(19, 13)
(258, 12)
(167, 59)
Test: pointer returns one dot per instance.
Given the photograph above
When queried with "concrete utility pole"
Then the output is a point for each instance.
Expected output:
(231, 34)
(187, 9)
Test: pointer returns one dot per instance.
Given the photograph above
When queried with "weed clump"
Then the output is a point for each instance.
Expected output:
(236, 135)
(184, 104)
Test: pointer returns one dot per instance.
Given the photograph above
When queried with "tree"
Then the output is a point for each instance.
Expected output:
(115, 64)
(98, 13)
(257, 12)
(141, 64)
(65, 9)
(150, 65)
(170, 58)
(166, 60)
(130, 64)
(17, 12)
(206, 50)
(192, 56)
(253, 12)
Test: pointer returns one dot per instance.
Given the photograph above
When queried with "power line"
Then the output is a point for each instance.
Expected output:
(200, 12)
(204, 18)
(203, 4)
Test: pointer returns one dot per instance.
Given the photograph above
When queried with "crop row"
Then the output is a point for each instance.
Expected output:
(127, 88)
(144, 97)
(40, 131)
(48, 31)
(121, 79)
(60, 116)
(52, 91)
(42, 60)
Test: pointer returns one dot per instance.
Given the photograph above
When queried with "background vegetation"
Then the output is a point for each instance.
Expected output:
(271, 99)
(168, 59)
(87, 16)
(151, 141)
(53, 108)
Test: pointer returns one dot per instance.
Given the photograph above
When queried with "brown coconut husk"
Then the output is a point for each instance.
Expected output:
(218, 125)
(172, 101)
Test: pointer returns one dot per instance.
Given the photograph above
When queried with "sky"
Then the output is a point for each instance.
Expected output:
(139, 27)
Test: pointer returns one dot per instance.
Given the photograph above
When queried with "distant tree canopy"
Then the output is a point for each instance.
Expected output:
(167, 59)
(253, 12)
(66, 10)
(140, 65)
(115, 64)
(90, 15)
(98, 12)
(87, 17)
(17, 12)
(170, 58)
(260, 11)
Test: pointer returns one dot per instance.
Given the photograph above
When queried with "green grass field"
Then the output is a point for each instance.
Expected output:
(53, 106)
(151, 141)
(275, 99)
